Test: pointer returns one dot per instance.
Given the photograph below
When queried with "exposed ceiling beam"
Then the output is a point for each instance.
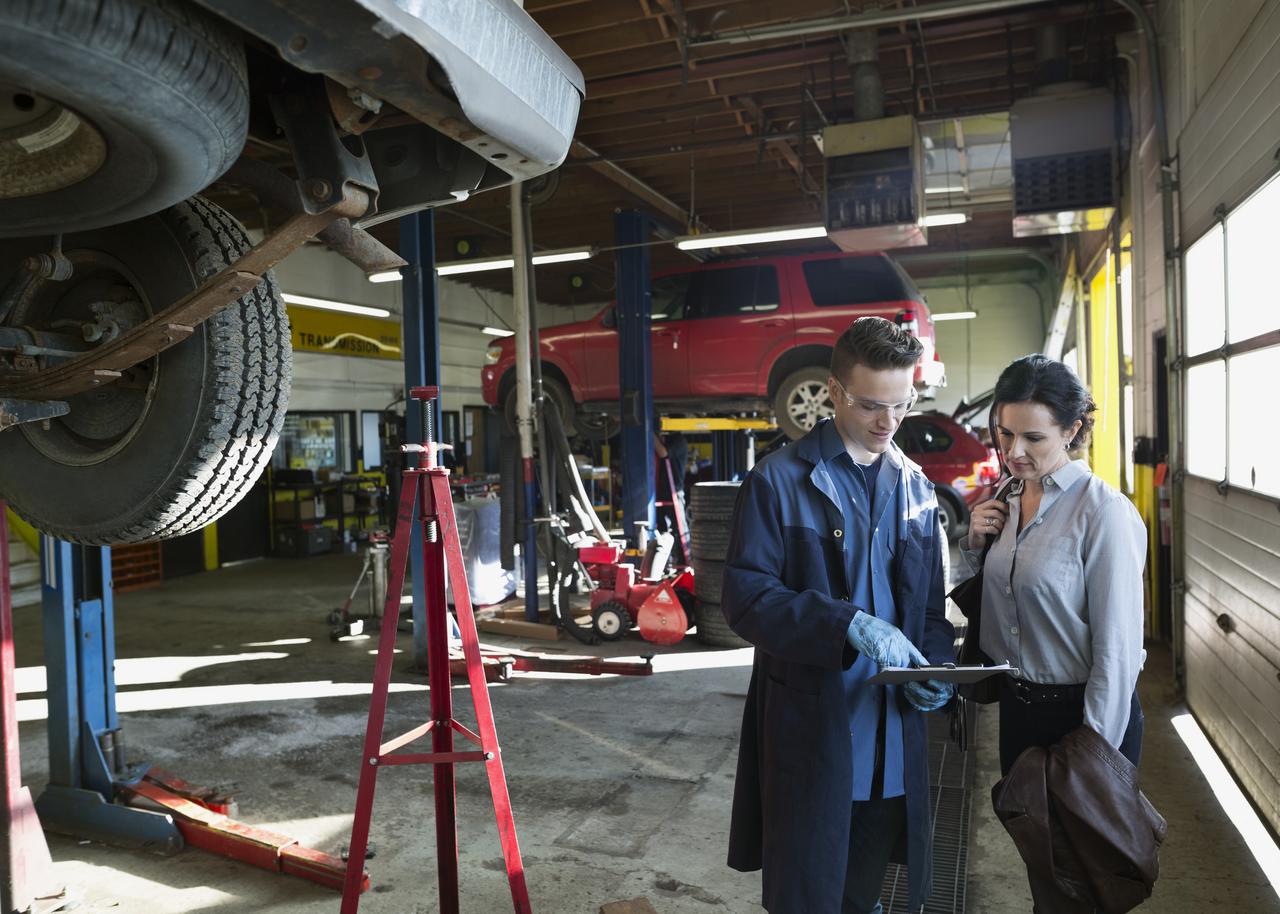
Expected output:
(630, 183)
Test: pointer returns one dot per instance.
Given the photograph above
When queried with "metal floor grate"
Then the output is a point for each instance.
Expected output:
(951, 781)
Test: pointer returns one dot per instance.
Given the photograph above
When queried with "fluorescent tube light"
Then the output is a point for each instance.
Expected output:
(386, 276)
(455, 267)
(944, 190)
(325, 304)
(497, 331)
(762, 236)
(562, 256)
(955, 316)
(1230, 798)
(946, 219)
(474, 266)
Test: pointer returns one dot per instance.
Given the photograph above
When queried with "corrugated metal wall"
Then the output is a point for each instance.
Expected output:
(1222, 62)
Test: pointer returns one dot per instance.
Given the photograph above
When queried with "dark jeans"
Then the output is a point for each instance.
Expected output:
(874, 830)
(1024, 725)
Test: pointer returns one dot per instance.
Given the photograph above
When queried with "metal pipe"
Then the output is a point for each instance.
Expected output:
(524, 395)
(871, 19)
(863, 53)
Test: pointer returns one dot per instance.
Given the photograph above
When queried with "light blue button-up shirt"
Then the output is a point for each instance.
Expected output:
(1062, 599)
(870, 533)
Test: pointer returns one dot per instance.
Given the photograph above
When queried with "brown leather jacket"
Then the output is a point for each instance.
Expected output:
(1076, 814)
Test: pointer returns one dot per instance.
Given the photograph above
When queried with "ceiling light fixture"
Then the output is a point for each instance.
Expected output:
(944, 190)
(324, 304)
(936, 219)
(955, 316)
(457, 267)
(386, 276)
(760, 236)
(497, 331)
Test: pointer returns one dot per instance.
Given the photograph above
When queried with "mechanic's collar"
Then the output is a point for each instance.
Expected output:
(825, 443)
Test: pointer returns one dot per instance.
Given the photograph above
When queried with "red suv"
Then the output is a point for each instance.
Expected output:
(743, 335)
(961, 468)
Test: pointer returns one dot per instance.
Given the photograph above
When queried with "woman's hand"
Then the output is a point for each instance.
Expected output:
(987, 519)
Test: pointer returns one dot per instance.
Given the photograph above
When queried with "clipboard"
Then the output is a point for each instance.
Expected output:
(947, 672)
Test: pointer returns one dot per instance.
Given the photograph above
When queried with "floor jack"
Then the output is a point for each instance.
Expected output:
(93, 791)
(425, 499)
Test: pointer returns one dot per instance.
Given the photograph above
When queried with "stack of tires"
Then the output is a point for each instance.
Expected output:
(711, 517)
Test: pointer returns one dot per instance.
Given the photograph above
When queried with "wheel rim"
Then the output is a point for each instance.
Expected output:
(609, 623)
(44, 146)
(945, 518)
(808, 403)
(101, 422)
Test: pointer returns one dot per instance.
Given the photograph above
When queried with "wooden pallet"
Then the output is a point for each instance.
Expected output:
(136, 567)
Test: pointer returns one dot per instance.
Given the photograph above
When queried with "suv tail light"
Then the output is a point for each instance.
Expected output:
(907, 321)
(988, 471)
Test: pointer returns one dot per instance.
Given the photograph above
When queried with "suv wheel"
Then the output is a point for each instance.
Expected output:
(559, 396)
(950, 518)
(802, 400)
(179, 439)
(113, 111)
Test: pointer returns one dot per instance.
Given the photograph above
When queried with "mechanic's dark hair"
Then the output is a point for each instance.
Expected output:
(876, 343)
(1040, 379)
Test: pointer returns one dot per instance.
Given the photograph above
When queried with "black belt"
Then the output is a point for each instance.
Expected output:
(1035, 692)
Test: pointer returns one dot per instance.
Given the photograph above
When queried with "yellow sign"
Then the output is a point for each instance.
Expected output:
(333, 333)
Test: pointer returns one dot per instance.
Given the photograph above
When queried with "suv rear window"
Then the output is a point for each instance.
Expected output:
(857, 281)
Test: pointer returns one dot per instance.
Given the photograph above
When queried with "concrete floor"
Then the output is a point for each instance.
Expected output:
(621, 786)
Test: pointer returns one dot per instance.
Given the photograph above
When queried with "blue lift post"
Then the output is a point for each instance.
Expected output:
(635, 370)
(86, 747)
(421, 333)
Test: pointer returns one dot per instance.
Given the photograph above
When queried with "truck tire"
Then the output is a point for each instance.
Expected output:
(713, 630)
(111, 110)
(709, 542)
(801, 400)
(707, 579)
(714, 501)
(181, 438)
(554, 391)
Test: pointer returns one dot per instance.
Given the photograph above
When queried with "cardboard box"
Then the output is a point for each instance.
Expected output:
(331, 503)
(303, 509)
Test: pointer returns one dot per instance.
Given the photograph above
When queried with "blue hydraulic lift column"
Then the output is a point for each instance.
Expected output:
(635, 370)
(86, 748)
(421, 343)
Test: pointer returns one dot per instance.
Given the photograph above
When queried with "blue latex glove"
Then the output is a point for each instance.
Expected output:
(882, 642)
(929, 695)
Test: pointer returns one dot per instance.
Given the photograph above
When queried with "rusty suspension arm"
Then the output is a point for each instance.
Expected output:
(174, 324)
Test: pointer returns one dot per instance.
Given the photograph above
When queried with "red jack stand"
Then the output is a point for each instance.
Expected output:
(427, 488)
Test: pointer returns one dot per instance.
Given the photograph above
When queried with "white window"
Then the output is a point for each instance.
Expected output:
(1254, 438)
(1253, 269)
(1207, 420)
(1206, 293)
(1232, 282)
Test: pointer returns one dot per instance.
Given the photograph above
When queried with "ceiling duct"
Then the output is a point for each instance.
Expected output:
(862, 49)
(1062, 138)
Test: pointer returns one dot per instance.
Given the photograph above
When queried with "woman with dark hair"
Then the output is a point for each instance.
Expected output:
(1062, 582)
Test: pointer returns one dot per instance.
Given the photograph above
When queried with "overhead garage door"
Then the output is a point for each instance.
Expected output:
(1230, 202)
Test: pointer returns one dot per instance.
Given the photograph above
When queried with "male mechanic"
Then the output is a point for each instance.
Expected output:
(834, 571)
